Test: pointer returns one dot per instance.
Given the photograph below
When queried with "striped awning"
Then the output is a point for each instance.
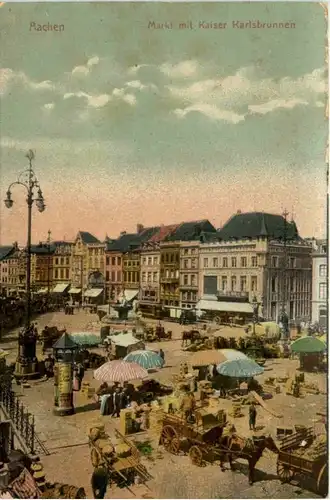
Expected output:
(75, 290)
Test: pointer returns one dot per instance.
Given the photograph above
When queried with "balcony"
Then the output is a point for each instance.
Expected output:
(188, 287)
(223, 294)
(169, 280)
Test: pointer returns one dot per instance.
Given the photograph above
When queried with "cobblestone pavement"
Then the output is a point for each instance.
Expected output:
(173, 476)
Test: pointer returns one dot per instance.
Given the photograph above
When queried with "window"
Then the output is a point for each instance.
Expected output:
(167, 273)
(224, 283)
(118, 261)
(243, 262)
(155, 277)
(149, 277)
(193, 263)
(254, 261)
(225, 262)
(215, 262)
(233, 262)
(292, 262)
(177, 273)
(254, 283)
(144, 261)
(62, 261)
(323, 291)
(113, 276)
(185, 264)
(56, 273)
(119, 278)
(155, 261)
(62, 274)
(149, 261)
(113, 261)
(193, 280)
(185, 279)
(233, 283)
(193, 250)
(291, 284)
(273, 284)
(144, 276)
(274, 261)
(107, 276)
(206, 262)
(56, 261)
(243, 283)
(323, 270)
(67, 274)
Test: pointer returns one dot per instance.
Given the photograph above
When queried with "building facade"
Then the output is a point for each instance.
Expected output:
(252, 259)
(5, 252)
(42, 267)
(150, 256)
(320, 282)
(62, 262)
(113, 273)
(189, 274)
(87, 257)
(170, 273)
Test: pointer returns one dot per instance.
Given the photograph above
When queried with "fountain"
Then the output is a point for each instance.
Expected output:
(125, 319)
(122, 309)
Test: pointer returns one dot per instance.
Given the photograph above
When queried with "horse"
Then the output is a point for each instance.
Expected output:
(190, 335)
(250, 449)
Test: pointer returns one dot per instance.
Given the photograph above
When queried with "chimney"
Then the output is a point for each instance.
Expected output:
(122, 233)
(139, 228)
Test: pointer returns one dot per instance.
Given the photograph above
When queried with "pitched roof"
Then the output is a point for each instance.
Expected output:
(5, 251)
(258, 224)
(88, 237)
(65, 342)
(208, 237)
(162, 233)
(190, 231)
(131, 241)
(43, 249)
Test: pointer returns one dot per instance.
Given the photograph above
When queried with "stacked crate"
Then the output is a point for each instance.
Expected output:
(236, 410)
(156, 417)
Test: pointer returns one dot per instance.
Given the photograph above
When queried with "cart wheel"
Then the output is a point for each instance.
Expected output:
(196, 456)
(95, 458)
(169, 439)
(322, 481)
(284, 472)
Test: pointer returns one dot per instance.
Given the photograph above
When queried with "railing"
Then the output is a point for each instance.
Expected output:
(22, 420)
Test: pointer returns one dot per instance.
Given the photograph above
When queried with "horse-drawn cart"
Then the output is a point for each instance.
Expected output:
(200, 439)
(304, 454)
(121, 458)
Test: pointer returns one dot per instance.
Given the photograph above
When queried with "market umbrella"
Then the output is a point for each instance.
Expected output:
(239, 368)
(119, 371)
(232, 354)
(147, 359)
(324, 339)
(308, 345)
(206, 358)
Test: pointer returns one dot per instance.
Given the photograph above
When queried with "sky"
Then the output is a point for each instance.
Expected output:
(132, 124)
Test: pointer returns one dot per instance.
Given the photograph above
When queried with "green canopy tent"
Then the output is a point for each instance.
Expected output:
(310, 350)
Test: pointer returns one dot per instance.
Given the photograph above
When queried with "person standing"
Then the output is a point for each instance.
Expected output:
(252, 416)
(117, 402)
(99, 482)
(162, 354)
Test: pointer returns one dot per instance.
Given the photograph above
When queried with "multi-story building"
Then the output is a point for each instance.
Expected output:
(42, 267)
(5, 252)
(170, 261)
(62, 265)
(149, 297)
(10, 266)
(84, 258)
(258, 255)
(189, 274)
(320, 282)
(114, 268)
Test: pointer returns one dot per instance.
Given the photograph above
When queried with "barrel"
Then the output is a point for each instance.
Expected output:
(105, 331)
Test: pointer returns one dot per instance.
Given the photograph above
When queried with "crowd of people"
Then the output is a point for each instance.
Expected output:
(114, 398)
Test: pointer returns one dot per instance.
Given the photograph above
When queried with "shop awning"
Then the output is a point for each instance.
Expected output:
(93, 292)
(234, 307)
(128, 295)
(75, 290)
(60, 287)
(42, 290)
(125, 340)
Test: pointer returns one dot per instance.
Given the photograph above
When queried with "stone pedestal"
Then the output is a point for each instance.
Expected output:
(63, 388)
(27, 365)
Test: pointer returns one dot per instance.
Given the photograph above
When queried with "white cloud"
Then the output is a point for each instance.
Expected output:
(94, 101)
(245, 89)
(85, 70)
(8, 76)
(49, 106)
(182, 69)
(211, 112)
(128, 98)
(270, 106)
(135, 69)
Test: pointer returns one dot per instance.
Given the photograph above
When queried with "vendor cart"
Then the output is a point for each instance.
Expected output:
(303, 453)
(122, 470)
(201, 439)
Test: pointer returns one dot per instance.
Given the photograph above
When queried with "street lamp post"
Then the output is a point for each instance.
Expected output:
(27, 363)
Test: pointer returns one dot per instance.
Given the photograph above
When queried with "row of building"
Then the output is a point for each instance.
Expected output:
(254, 256)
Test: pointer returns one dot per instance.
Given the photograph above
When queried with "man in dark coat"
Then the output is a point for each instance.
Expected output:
(116, 402)
(99, 482)
(252, 417)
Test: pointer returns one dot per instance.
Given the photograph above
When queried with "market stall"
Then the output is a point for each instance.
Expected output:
(311, 352)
